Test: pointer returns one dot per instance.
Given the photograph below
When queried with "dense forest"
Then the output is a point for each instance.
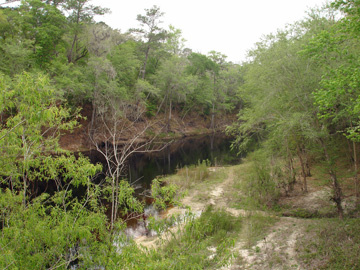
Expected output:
(296, 100)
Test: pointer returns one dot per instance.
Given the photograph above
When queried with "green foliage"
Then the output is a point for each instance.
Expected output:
(44, 235)
(171, 78)
(150, 109)
(263, 183)
(164, 194)
(33, 123)
(125, 63)
(15, 57)
(175, 43)
(337, 96)
(189, 248)
(127, 201)
(45, 26)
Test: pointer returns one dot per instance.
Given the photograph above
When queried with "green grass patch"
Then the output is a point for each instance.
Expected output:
(330, 244)
(251, 190)
(191, 246)
(256, 227)
(192, 176)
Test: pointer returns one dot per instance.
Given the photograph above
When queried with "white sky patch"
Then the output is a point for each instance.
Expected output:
(231, 27)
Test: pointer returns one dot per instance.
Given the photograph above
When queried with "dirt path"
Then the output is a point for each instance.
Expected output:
(275, 251)
(189, 202)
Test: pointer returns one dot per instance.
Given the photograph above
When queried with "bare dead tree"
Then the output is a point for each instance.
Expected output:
(119, 133)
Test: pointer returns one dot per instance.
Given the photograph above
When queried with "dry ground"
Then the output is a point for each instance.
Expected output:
(276, 247)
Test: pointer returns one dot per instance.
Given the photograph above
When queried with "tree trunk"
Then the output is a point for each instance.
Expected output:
(92, 123)
(169, 118)
(143, 70)
(112, 203)
(306, 161)
(70, 53)
(291, 167)
(212, 126)
(292, 173)
(25, 188)
(303, 172)
(356, 179)
(337, 197)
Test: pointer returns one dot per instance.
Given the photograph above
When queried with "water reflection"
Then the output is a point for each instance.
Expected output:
(144, 167)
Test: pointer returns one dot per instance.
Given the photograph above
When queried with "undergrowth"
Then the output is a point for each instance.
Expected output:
(191, 175)
(330, 244)
(190, 247)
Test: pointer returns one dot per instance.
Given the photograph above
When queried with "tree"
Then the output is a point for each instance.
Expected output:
(337, 97)
(44, 223)
(175, 43)
(151, 34)
(126, 63)
(80, 14)
(200, 66)
(174, 82)
(102, 39)
(33, 123)
(44, 25)
(280, 112)
(116, 137)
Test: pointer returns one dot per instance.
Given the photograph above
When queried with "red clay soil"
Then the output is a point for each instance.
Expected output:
(192, 124)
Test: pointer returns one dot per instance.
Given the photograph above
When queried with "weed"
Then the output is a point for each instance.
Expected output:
(188, 249)
(190, 175)
(331, 244)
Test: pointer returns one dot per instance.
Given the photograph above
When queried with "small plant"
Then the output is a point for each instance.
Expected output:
(163, 194)
(188, 249)
(151, 109)
(331, 244)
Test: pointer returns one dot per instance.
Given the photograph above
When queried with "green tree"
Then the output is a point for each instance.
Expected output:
(16, 51)
(280, 113)
(32, 127)
(80, 13)
(174, 82)
(150, 33)
(200, 66)
(175, 43)
(337, 97)
(44, 25)
(126, 63)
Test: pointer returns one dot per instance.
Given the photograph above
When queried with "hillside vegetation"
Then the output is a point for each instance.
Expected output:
(297, 104)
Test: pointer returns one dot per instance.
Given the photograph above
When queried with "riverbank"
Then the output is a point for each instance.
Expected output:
(150, 128)
(266, 238)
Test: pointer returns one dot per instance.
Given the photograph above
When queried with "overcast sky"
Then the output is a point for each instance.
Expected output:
(228, 26)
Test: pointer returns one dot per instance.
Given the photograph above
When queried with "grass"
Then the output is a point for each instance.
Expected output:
(330, 244)
(190, 247)
(206, 242)
(256, 227)
(194, 176)
(244, 194)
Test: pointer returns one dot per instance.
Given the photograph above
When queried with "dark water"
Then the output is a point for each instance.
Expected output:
(144, 167)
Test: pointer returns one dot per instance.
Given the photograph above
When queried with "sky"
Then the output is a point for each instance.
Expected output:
(230, 27)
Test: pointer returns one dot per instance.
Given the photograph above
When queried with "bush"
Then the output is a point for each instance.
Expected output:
(263, 183)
